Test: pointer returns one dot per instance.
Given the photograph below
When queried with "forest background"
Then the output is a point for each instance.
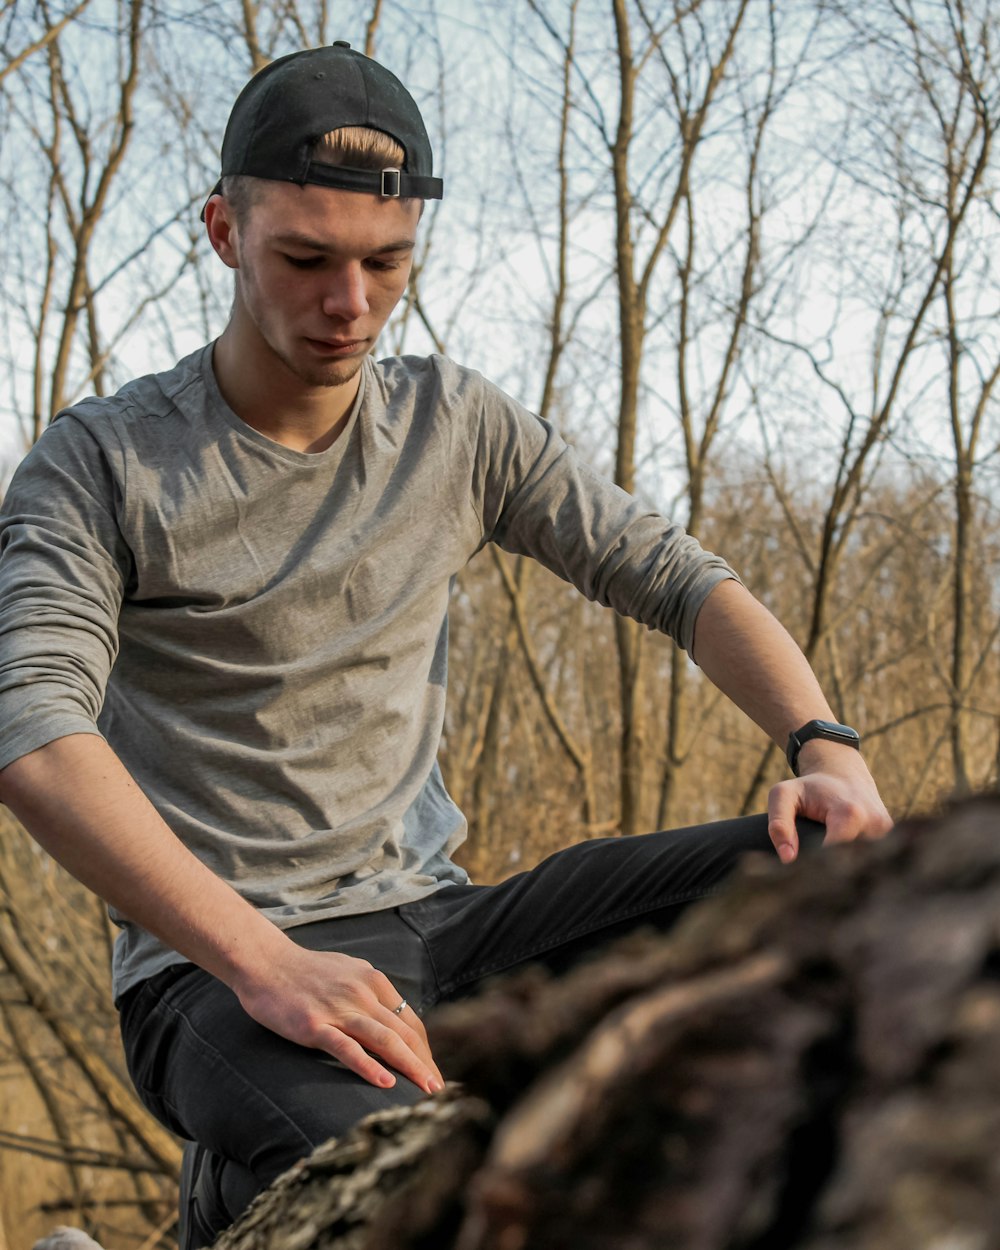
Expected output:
(743, 253)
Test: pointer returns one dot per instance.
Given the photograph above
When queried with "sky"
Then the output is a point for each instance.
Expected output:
(833, 243)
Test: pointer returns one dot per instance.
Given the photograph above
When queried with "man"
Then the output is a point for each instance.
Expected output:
(223, 613)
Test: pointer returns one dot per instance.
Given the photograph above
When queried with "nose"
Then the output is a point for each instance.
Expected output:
(346, 298)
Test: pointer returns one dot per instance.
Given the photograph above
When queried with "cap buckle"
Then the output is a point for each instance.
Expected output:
(390, 183)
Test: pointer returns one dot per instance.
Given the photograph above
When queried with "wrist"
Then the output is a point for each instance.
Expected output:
(829, 732)
(820, 756)
(256, 947)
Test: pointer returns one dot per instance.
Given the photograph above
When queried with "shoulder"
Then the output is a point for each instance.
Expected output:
(93, 441)
(458, 397)
(435, 378)
(146, 399)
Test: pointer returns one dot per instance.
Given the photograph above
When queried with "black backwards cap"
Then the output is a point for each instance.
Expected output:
(291, 103)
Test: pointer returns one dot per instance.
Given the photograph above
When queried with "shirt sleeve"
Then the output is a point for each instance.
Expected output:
(63, 569)
(539, 498)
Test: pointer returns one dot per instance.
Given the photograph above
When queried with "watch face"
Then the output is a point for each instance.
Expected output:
(834, 730)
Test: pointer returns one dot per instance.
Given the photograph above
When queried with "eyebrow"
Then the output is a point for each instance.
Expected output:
(295, 239)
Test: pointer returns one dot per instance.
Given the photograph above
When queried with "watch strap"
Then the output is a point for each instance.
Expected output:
(829, 731)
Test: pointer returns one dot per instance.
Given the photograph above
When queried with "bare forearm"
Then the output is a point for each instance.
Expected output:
(753, 659)
(77, 800)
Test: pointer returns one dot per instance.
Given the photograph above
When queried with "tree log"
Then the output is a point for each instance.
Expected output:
(811, 1060)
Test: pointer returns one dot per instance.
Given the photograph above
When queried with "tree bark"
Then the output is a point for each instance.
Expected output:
(810, 1060)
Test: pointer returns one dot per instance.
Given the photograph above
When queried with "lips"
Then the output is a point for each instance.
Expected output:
(336, 347)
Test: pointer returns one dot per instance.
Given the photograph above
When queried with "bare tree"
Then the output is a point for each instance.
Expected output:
(558, 328)
(66, 202)
(969, 351)
(694, 84)
(926, 172)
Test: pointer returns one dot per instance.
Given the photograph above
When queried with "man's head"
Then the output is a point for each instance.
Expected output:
(325, 164)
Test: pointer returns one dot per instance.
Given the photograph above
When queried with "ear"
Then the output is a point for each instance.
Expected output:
(222, 230)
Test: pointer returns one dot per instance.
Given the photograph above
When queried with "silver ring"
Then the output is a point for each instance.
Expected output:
(398, 1011)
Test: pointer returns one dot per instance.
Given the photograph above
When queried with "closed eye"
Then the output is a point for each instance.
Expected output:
(304, 262)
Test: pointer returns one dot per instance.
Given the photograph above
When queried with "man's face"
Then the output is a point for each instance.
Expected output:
(319, 271)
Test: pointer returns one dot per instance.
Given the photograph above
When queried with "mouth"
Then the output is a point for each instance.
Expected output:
(336, 347)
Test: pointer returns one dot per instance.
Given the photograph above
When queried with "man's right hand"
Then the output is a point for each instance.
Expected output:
(76, 799)
(343, 1006)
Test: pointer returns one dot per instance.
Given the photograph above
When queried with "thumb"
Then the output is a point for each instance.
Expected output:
(781, 809)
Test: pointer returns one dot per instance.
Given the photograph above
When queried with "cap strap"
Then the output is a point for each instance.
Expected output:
(392, 183)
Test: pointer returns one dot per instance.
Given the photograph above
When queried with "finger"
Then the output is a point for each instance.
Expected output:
(390, 999)
(402, 1010)
(845, 821)
(386, 1042)
(393, 1001)
(406, 1023)
(353, 1056)
(781, 811)
(357, 1057)
(412, 1021)
(413, 1035)
(882, 824)
(870, 818)
(410, 1028)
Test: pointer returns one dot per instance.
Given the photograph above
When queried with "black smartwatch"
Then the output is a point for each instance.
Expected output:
(827, 729)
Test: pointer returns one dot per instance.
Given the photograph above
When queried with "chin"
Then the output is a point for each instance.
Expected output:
(335, 373)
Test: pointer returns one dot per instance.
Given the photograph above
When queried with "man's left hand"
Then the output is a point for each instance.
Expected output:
(835, 788)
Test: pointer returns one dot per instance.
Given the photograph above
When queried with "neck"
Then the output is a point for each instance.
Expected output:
(262, 391)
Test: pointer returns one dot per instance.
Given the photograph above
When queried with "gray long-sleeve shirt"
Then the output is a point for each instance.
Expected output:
(261, 633)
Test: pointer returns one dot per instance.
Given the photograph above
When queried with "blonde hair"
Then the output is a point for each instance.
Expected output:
(360, 147)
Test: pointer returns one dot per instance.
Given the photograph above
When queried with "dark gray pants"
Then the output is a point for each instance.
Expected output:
(256, 1103)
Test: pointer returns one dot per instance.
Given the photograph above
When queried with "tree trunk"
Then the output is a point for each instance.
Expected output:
(810, 1061)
